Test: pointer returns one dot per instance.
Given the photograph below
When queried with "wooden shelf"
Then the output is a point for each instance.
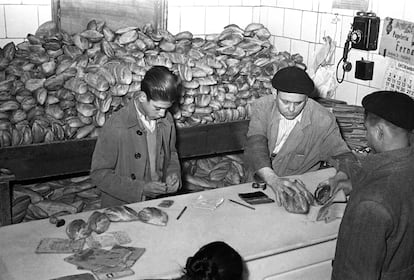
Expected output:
(74, 156)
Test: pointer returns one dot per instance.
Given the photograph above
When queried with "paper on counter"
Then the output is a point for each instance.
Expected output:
(210, 203)
(59, 246)
(117, 259)
(107, 239)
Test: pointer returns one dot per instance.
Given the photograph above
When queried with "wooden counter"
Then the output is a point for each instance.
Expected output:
(273, 242)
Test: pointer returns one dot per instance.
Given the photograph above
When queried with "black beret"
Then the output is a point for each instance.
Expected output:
(294, 80)
(392, 106)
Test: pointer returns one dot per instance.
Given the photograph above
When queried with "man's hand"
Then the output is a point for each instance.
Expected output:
(154, 188)
(290, 187)
(173, 183)
(340, 182)
(283, 185)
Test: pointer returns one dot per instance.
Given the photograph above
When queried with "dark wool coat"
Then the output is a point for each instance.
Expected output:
(376, 237)
(120, 163)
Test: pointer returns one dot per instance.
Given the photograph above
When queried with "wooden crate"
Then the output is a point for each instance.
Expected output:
(72, 16)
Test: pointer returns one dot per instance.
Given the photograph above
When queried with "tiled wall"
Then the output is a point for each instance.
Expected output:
(20, 17)
(297, 26)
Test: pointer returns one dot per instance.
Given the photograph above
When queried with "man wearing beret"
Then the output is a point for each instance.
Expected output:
(290, 133)
(376, 236)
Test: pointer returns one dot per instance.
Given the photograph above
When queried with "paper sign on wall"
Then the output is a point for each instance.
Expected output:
(358, 5)
(397, 40)
(399, 77)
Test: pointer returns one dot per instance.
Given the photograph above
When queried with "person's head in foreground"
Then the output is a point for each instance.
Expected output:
(293, 86)
(159, 90)
(214, 261)
(389, 119)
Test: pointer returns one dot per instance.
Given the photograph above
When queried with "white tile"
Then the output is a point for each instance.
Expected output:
(12, 2)
(180, 3)
(206, 3)
(346, 92)
(285, 3)
(254, 3)
(339, 51)
(282, 44)
(325, 6)
(45, 14)
(394, 9)
(275, 22)
(363, 91)
(193, 19)
(345, 28)
(271, 3)
(408, 11)
(216, 19)
(309, 26)
(329, 25)
(173, 3)
(312, 50)
(173, 20)
(381, 27)
(374, 5)
(16, 41)
(37, 2)
(20, 20)
(256, 14)
(300, 47)
(315, 6)
(380, 67)
(264, 16)
(305, 5)
(292, 24)
(2, 23)
(242, 16)
(230, 2)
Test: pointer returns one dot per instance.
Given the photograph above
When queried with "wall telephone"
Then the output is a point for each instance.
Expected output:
(363, 36)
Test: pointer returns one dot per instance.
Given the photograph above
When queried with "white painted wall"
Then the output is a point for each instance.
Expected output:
(297, 26)
(20, 17)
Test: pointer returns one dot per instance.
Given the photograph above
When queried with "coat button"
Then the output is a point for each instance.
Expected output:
(137, 155)
(139, 132)
(133, 177)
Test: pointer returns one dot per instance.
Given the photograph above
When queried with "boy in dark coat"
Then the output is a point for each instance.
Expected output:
(135, 155)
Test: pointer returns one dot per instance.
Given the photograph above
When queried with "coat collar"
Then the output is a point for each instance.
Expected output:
(132, 118)
(376, 160)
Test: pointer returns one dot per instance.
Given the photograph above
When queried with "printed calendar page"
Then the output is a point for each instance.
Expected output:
(400, 77)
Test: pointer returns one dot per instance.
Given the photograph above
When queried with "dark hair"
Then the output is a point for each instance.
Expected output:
(215, 261)
(159, 83)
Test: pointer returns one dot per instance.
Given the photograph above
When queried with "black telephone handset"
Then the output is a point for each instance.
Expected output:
(347, 66)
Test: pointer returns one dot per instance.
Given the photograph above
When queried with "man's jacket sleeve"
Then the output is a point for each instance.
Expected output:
(256, 150)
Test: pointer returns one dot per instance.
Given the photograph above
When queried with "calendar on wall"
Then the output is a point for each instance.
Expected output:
(399, 76)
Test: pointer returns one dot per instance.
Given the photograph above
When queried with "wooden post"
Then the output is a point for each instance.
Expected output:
(5, 200)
